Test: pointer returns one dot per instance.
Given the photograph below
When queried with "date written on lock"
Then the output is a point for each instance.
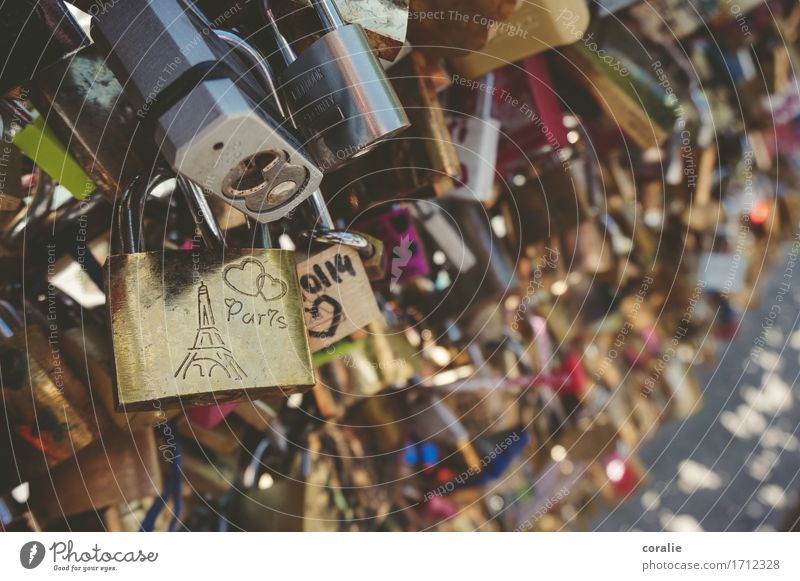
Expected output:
(228, 327)
(337, 296)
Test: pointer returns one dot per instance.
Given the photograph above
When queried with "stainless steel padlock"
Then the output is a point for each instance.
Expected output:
(336, 91)
(203, 111)
(204, 326)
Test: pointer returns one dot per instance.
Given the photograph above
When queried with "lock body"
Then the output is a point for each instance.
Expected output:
(228, 328)
(48, 406)
(340, 99)
(203, 113)
(337, 296)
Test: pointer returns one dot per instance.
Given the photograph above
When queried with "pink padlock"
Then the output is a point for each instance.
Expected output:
(210, 416)
(404, 254)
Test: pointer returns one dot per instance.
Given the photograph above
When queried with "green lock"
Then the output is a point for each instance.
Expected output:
(40, 144)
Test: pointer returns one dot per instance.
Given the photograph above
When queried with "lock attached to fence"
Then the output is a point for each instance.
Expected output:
(337, 295)
(336, 91)
(202, 110)
(202, 326)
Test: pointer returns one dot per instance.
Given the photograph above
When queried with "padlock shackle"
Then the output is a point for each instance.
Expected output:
(257, 60)
(284, 48)
(328, 13)
(201, 212)
(130, 210)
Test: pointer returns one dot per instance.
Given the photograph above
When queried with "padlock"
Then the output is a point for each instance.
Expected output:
(86, 109)
(40, 143)
(638, 107)
(385, 23)
(405, 254)
(454, 27)
(50, 408)
(83, 340)
(205, 327)
(11, 191)
(526, 99)
(421, 162)
(481, 273)
(336, 91)
(533, 28)
(202, 111)
(337, 296)
(433, 420)
(476, 135)
(35, 35)
(123, 468)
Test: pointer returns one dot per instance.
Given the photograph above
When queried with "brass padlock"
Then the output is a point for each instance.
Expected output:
(201, 327)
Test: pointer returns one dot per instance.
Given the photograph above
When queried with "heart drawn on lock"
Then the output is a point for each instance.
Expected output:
(249, 278)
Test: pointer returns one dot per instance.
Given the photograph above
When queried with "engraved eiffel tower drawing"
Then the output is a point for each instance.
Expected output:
(209, 353)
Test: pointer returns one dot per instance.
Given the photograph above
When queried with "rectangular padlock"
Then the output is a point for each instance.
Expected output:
(204, 327)
(336, 92)
(534, 28)
(337, 296)
(123, 468)
(527, 101)
(87, 110)
(40, 143)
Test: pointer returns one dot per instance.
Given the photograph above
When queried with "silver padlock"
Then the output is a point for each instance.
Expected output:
(203, 111)
(336, 92)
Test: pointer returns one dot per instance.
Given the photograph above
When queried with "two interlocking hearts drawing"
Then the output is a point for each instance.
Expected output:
(250, 278)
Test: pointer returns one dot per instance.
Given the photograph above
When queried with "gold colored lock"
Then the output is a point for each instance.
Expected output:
(202, 327)
(48, 406)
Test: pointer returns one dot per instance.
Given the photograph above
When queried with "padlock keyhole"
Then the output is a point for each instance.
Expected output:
(252, 173)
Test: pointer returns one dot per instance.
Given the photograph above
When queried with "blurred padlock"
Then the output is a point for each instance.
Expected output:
(50, 408)
(454, 27)
(123, 468)
(629, 95)
(533, 28)
(478, 287)
(38, 141)
(527, 101)
(405, 255)
(234, 322)
(87, 110)
(476, 135)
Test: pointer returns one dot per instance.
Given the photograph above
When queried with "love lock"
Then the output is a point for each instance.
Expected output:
(202, 327)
